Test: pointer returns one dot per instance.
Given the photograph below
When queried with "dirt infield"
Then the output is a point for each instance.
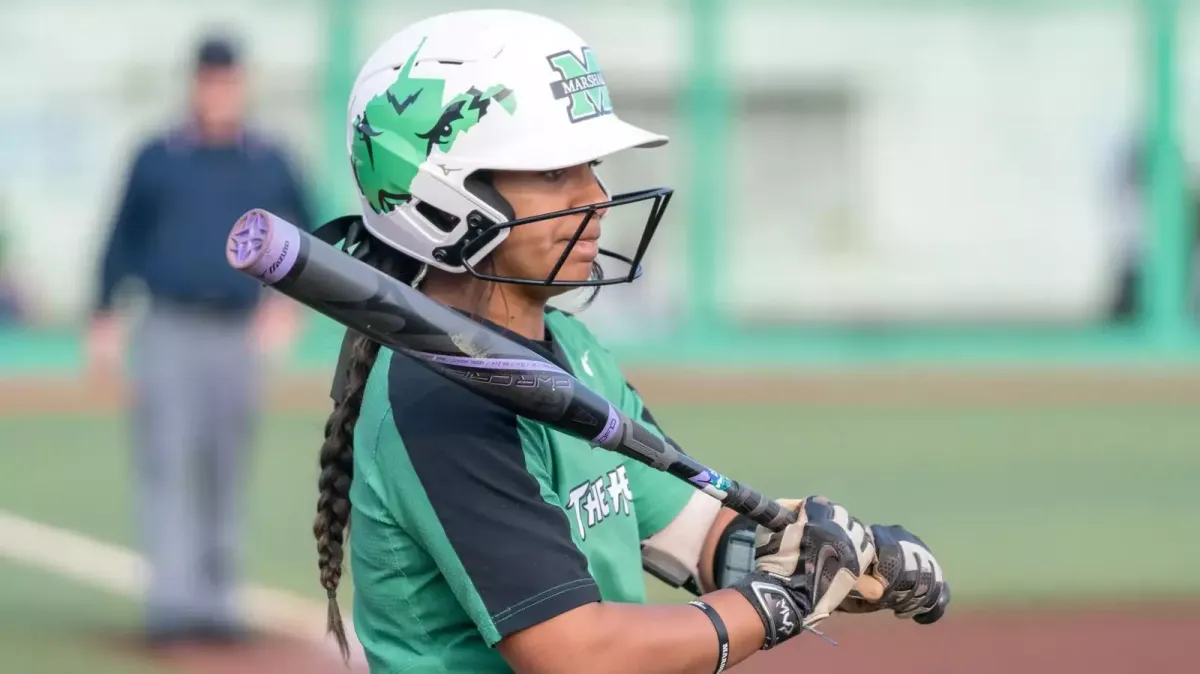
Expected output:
(267, 656)
(1146, 640)
(263, 655)
(310, 392)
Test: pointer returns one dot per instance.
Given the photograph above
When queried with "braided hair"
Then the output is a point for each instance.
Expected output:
(331, 527)
(332, 524)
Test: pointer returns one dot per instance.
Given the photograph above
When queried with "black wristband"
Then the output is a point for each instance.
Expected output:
(722, 634)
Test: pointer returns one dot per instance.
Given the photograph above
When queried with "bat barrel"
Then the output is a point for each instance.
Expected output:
(279, 254)
(297, 264)
(365, 299)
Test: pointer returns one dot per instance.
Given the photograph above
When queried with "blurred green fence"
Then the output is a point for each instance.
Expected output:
(859, 181)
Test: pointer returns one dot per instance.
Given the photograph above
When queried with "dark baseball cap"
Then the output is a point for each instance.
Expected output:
(217, 52)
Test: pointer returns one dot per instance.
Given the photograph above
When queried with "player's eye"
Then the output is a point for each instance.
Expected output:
(555, 176)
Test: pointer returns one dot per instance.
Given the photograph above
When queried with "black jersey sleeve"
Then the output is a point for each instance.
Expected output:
(478, 496)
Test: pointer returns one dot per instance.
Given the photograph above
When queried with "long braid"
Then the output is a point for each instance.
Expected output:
(337, 471)
(332, 524)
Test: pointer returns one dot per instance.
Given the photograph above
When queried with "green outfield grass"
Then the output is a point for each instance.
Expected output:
(1021, 504)
(49, 626)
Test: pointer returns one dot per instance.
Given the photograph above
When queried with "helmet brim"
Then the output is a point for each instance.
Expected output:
(563, 146)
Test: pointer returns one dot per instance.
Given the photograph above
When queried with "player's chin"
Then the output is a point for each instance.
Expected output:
(578, 265)
(574, 271)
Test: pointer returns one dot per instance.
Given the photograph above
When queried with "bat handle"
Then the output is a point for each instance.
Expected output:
(753, 504)
(626, 436)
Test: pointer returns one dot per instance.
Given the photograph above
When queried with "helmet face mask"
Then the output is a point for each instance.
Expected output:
(480, 233)
(452, 100)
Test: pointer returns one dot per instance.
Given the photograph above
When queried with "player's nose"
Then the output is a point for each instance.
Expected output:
(594, 193)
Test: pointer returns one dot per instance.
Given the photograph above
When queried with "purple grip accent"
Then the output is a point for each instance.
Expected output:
(611, 427)
(490, 363)
(263, 245)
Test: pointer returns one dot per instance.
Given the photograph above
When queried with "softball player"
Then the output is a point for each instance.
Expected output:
(485, 542)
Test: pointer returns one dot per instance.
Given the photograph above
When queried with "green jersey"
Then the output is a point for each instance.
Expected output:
(469, 523)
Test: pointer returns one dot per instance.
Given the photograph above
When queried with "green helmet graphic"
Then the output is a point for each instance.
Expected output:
(408, 121)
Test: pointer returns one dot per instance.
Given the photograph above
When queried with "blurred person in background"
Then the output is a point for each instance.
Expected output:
(195, 356)
(1134, 234)
(12, 305)
(1131, 233)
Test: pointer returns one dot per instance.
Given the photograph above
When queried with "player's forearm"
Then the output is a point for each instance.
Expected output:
(707, 580)
(681, 638)
(656, 639)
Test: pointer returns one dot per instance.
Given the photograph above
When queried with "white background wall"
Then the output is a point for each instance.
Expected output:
(885, 163)
(976, 146)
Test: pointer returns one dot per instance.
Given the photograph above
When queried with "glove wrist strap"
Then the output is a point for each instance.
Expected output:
(781, 608)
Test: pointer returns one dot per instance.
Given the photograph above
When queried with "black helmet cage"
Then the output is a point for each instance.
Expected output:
(481, 229)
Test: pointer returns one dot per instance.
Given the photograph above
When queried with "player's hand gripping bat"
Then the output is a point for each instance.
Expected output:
(366, 300)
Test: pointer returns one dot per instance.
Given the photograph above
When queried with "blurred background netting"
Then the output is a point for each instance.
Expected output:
(862, 163)
(932, 258)
(839, 166)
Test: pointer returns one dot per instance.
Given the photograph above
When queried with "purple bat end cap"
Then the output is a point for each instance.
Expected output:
(248, 240)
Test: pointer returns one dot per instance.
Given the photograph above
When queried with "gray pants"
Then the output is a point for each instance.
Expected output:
(196, 389)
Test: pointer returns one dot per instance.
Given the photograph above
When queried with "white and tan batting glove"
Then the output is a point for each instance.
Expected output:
(803, 573)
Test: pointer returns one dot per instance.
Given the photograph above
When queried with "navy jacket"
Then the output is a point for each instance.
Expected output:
(181, 200)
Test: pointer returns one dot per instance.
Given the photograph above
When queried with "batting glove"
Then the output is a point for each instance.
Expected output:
(803, 573)
(904, 578)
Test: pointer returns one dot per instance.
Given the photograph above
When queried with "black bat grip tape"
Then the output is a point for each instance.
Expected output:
(777, 516)
(759, 508)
